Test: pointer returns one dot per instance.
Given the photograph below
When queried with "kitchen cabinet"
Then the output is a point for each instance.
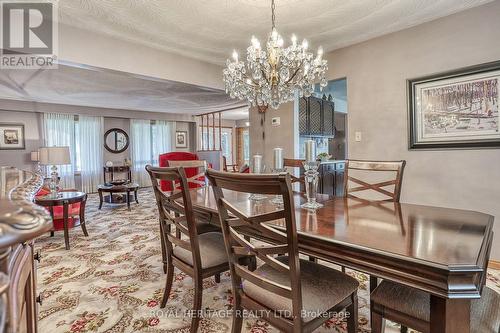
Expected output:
(316, 117)
(331, 178)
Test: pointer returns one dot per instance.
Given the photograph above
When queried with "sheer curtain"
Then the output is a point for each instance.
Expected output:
(162, 138)
(141, 150)
(59, 131)
(90, 144)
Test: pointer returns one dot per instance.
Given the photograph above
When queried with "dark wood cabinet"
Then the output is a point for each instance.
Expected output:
(316, 117)
(21, 222)
(331, 178)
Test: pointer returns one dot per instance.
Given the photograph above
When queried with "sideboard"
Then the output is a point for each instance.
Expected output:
(21, 221)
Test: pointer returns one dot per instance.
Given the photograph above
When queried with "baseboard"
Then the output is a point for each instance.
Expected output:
(493, 264)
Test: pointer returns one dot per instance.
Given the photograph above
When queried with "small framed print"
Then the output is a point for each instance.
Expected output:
(456, 110)
(181, 139)
(12, 136)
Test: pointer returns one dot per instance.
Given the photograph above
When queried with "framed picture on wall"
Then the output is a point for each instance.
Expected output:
(181, 139)
(12, 136)
(457, 109)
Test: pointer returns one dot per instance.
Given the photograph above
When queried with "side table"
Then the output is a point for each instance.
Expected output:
(65, 199)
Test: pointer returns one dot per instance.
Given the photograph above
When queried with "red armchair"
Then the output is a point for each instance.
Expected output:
(178, 156)
(74, 210)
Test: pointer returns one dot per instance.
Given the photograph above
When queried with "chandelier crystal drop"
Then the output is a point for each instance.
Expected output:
(271, 75)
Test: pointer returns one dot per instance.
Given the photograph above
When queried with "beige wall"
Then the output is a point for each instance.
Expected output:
(376, 73)
(284, 136)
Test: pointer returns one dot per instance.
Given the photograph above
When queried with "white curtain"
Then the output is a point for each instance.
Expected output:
(141, 150)
(162, 138)
(90, 144)
(59, 131)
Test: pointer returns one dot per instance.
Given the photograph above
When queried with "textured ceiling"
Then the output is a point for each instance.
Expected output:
(86, 86)
(210, 29)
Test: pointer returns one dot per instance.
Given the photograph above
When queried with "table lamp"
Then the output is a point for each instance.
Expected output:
(35, 157)
(54, 156)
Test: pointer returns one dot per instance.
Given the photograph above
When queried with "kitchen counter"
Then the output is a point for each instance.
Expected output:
(332, 161)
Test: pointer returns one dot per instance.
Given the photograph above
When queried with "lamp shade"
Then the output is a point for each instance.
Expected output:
(35, 156)
(54, 156)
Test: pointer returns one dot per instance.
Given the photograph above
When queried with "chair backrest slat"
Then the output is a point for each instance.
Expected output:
(295, 163)
(236, 225)
(199, 177)
(380, 187)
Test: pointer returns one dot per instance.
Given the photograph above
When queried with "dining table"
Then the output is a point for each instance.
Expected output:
(442, 251)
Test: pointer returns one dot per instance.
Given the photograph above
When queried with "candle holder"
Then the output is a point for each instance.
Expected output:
(278, 199)
(257, 168)
(311, 180)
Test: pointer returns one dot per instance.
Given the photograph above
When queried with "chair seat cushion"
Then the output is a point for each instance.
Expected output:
(212, 250)
(322, 288)
(485, 316)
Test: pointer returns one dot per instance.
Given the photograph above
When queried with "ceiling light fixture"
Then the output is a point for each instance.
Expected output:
(271, 76)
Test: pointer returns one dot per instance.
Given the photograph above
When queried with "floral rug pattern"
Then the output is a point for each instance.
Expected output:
(112, 281)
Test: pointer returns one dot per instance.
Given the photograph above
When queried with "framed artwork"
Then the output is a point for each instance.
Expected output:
(181, 139)
(457, 109)
(12, 136)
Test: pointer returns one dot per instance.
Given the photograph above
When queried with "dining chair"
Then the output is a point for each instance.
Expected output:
(165, 159)
(203, 224)
(411, 307)
(228, 167)
(292, 294)
(199, 255)
(295, 163)
(387, 189)
(198, 179)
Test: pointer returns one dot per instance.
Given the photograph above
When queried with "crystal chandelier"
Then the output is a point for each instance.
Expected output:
(271, 76)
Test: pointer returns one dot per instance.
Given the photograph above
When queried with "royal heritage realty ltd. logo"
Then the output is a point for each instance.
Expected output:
(29, 35)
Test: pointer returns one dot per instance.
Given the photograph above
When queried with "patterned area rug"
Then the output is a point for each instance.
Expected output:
(112, 281)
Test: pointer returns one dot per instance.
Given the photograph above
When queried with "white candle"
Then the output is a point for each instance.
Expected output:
(278, 158)
(257, 164)
(310, 146)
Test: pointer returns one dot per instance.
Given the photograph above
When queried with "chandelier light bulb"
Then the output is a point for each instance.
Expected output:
(294, 40)
(274, 34)
(255, 43)
(235, 56)
(305, 44)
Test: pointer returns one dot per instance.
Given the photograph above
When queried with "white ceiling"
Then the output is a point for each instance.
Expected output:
(87, 86)
(210, 29)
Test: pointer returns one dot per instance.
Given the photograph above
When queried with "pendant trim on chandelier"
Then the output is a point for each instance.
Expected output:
(273, 75)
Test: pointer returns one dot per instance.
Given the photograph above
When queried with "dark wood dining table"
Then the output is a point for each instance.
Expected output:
(442, 251)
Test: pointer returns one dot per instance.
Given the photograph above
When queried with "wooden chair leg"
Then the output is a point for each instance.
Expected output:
(342, 268)
(217, 278)
(404, 329)
(352, 320)
(198, 294)
(237, 321)
(373, 283)
(168, 284)
(377, 322)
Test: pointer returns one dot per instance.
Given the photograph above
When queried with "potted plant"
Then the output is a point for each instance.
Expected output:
(323, 157)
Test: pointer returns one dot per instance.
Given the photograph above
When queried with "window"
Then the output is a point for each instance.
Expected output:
(149, 139)
(226, 145)
(246, 146)
(243, 144)
(83, 135)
